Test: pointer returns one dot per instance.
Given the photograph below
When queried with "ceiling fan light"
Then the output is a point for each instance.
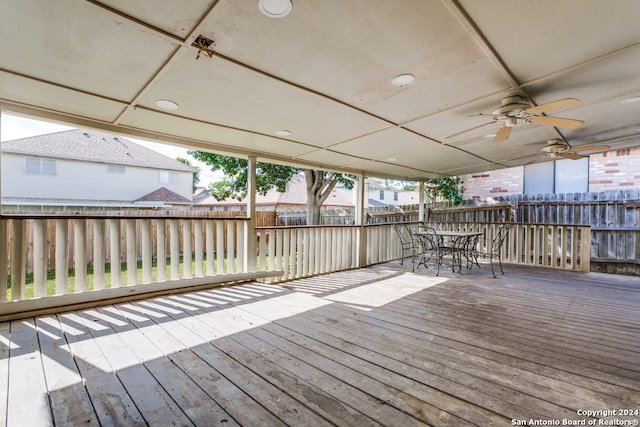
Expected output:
(275, 8)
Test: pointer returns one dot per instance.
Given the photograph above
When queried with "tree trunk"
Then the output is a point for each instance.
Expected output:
(320, 184)
(313, 211)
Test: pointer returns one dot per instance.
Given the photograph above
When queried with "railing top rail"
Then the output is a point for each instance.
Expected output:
(32, 215)
(284, 227)
(507, 222)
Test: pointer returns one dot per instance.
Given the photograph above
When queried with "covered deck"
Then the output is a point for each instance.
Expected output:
(370, 346)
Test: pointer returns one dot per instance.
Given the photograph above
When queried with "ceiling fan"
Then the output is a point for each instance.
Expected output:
(558, 148)
(514, 108)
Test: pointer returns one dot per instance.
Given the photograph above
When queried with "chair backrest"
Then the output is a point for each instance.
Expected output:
(499, 238)
(428, 238)
(404, 233)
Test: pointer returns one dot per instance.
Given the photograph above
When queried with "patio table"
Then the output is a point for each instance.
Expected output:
(457, 245)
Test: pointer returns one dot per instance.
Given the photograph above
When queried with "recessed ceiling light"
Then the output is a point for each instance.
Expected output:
(275, 8)
(490, 135)
(165, 104)
(283, 132)
(392, 159)
(403, 80)
(630, 100)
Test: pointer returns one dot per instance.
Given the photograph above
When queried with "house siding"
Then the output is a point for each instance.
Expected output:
(79, 180)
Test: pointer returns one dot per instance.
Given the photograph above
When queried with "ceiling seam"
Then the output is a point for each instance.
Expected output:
(182, 46)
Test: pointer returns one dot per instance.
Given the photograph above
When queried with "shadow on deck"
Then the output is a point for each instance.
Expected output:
(375, 346)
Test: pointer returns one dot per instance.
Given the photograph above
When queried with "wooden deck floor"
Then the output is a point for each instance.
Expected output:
(377, 346)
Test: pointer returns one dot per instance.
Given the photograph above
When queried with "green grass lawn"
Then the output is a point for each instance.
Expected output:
(51, 279)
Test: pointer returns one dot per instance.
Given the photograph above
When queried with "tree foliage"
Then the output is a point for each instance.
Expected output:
(448, 189)
(234, 184)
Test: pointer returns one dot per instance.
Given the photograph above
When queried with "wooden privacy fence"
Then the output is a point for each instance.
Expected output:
(614, 218)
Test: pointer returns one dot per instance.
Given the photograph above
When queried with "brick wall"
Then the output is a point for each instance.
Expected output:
(615, 170)
(501, 182)
(611, 171)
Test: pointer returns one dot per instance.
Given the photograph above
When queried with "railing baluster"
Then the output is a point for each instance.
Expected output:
(4, 256)
(98, 254)
(554, 246)
(62, 267)
(270, 235)
(299, 251)
(262, 248)
(198, 246)
(279, 250)
(563, 247)
(231, 249)
(317, 250)
(147, 250)
(209, 227)
(80, 254)
(132, 255)
(306, 241)
(161, 251)
(240, 245)
(174, 243)
(18, 259)
(39, 258)
(328, 243)
(220, 246)
(286, 253)
(187, 255)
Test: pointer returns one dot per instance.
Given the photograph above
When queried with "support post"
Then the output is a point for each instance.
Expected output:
(421, 201)
(250, 247)
(360, 220)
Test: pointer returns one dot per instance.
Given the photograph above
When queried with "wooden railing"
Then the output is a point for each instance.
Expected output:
(72, 255)
(82, 259)
(564, 247)
(307, 250)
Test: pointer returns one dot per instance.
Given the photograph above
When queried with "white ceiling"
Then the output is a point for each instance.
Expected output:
(324, 72)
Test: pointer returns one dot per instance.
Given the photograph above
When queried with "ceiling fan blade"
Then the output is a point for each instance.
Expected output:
(561, 103)
(503, 133)
(571, 155)
(592, 148)
(557, 122)
(470, 129)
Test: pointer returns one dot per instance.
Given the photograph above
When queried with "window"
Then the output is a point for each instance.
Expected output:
(168, 177)
(395, 196)
(560, 176)
(381, 194)
(572, 176)
(538, 178)
(115, 169)
(38, 166)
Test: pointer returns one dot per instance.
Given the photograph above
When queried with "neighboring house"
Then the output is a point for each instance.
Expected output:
(294, 198)
(88, 168)
(381, 193)
(610, 171)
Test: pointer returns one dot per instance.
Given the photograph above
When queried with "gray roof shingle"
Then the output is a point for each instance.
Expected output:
(163, 194)
(92, 146)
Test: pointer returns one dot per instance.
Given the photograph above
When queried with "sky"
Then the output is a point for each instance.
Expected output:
(15, 127)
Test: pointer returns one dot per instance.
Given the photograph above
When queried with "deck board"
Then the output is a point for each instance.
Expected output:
(376, 346)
